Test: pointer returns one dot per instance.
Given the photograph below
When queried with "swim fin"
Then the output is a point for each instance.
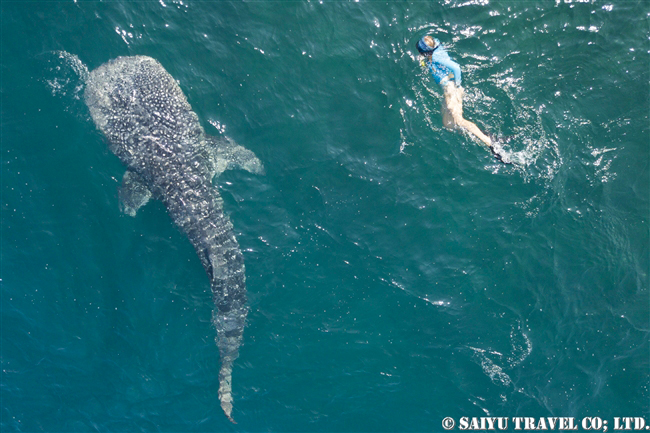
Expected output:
(499, 153)
(496, 147)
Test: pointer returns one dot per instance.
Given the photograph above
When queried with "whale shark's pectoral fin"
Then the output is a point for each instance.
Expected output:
(133, 193)
(230, 155)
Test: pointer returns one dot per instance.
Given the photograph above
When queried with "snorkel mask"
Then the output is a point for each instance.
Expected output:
(425, 49)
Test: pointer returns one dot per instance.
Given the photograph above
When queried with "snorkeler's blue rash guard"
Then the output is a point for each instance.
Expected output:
(441, 66)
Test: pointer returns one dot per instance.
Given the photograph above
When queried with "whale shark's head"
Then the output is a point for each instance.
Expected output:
(137, 104)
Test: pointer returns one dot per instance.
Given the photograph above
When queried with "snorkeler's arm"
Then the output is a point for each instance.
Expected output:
(455, 67)
(445, 61)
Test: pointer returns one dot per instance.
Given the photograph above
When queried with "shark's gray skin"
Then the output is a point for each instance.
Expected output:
(151, 127)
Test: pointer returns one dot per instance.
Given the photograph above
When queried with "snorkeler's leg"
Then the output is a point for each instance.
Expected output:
(454, 109)
(452, 105)
(447, 118)
(473, 129)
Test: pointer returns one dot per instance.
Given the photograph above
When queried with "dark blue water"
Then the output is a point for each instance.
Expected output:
(397, 273)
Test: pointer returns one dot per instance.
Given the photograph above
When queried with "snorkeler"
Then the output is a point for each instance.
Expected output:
(446, 73)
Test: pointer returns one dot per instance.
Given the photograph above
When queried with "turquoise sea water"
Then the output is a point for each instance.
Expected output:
(397, 273)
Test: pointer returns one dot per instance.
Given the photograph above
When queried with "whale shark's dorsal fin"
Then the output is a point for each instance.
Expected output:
(133, 193)
(229, 155)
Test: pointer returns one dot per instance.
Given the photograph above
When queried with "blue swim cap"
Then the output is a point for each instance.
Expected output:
(423, 48)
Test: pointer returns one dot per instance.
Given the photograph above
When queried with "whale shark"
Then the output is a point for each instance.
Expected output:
(149, 124)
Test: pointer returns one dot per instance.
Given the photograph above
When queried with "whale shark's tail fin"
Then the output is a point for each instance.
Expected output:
(230, 329)
(228, 281)
(225, 389)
